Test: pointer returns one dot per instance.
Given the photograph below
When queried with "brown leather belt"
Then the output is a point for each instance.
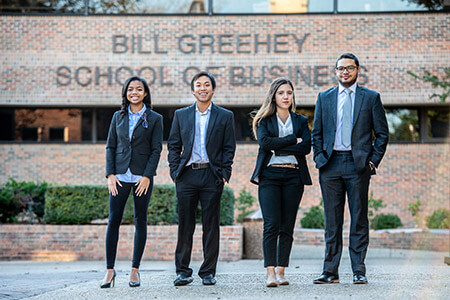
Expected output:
(290, 166)
(198, 166)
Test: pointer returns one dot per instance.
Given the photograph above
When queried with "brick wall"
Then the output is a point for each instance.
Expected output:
(87, 242)
(93, 58)
(407, 173)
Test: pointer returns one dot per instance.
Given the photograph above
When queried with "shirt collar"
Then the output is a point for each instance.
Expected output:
(206, 111)
(140, 113)
(352, 88)
(287, 120)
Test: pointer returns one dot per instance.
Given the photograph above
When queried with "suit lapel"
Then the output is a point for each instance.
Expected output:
(123, 125)
(294, 122)
(190, 123)
(212, 119)
(359, 98)
(274, 122)
(333, 106)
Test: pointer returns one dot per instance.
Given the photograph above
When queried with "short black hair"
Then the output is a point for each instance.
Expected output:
(200, 74)
(350, 56)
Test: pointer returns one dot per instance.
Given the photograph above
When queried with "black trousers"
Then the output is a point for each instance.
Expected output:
(279, 193)
(116, 208)
(338, 178)
(194, 186)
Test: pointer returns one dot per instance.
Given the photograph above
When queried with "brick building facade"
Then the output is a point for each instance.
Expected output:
(79, 62)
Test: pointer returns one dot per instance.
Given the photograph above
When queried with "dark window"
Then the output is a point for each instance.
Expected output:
(438, 122)
(56, 134)
(30, 133)
(7, 124)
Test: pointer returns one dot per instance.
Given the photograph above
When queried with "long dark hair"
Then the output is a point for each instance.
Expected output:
(269, 107)
(147, 99)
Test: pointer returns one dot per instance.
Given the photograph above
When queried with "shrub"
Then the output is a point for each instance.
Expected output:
(314, 218)
(75, 204)
(27, 201)
(385, 221)
(373, 206)
(244, 202)
(9, 206)
(82, 204)
(439, 219)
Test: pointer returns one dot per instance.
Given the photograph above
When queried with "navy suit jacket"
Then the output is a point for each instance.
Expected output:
(142, 153)
(220, 141)
(369, 120)
(268, 140)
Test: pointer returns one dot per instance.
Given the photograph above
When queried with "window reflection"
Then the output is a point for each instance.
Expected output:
(43, 6)
(378, 5)
(272, 6)
(403, 124)
(148, 7)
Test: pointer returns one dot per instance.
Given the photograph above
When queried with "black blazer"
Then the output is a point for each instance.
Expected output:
(368, 116)
(268, 140)
(220, 141)
(142, 153)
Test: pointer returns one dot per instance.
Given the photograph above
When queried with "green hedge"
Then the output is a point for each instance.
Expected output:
(385, 221)
(314, 218)
(439, 219)
(82, 204)
(22, 201)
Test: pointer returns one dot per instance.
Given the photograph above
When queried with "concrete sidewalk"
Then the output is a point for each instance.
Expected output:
(392, 274)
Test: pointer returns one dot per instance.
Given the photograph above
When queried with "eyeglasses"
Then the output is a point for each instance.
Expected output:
(144, 120)
(349, 69)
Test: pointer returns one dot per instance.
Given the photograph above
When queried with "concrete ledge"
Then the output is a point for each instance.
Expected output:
(87, 242)
(404, 238)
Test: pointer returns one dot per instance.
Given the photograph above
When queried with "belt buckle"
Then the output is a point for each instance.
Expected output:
(195, 166)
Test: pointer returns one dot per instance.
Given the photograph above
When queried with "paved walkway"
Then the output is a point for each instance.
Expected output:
(392, 274)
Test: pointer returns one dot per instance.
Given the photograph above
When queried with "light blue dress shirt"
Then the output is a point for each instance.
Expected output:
(340, 104)
(133, 118)
(199, 154)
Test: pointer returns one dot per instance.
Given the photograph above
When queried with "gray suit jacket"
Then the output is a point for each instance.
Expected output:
(142, 153)
(369, 120)
(220, 141)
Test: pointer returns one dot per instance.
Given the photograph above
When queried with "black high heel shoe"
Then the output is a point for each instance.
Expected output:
(135, 284)
(109, 284)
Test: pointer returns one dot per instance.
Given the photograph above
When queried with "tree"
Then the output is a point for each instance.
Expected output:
(443, 83)
(430, 4)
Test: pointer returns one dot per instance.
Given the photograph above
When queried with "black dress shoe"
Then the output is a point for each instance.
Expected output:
(326, 279)
(135, 284)
(110, 284)
(208, 280)
(359, 279)
(183, 280)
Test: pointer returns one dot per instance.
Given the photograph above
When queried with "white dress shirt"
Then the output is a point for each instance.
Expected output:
(340, 104)
(284, 129)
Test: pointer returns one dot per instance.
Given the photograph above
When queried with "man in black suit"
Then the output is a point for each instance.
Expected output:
(201, 150)
(349, 135)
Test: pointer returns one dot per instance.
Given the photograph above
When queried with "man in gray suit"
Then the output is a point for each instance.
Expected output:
(349, 137)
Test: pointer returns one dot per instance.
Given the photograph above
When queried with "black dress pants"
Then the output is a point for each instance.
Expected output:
(194, 186)
(338, 178)
(116, 208)
(279, 193)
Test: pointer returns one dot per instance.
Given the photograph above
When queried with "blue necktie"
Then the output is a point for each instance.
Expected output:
(347, 119)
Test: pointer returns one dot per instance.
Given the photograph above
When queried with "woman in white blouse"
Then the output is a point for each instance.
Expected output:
(281, 172)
